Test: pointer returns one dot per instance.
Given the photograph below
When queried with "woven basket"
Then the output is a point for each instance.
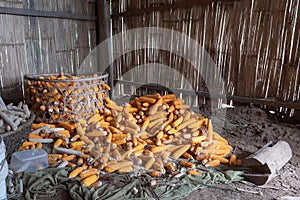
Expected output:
(54, 101)
(14, 139)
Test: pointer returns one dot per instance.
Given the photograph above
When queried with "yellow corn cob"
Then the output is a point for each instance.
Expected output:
(222, 159)
(66, 133)
(185, 124)
(69, 158)
(181, 106)
(155, 122)
(71, 164)
(70, 127)
(117, 166)
(170, 119)
(139, 152)
(36, 126)
(126, 169)
(158, 115)
(31, 136)
(58, 142)
(170, 166)
(116, 154)
(181, 151)
(54, 156)
(27, 144)
(160, 148)
(187, 164)
(155, 173)
(75, 137)
(232, 160)
(216, 136)
(80, 161)
(153, 109)
(177, 122)
(77, 144)
(75, 172)
(89, 180)
(145, 124)
(213, 163)
(107, 87)
(39, 145)
(80, 130)
(88, 173)
(95, 118)
(149, 163)
(160, 135)
(132, 125)
(147, 99)
(198, 139)
(187, 155)
(120, 141)
(169, 96)
(138, 147)
(154, 96)
(193, 172)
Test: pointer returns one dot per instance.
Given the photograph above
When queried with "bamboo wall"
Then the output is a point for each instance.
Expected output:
(30, 45)
(254, 43)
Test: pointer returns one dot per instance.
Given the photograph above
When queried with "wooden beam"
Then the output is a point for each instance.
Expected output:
(180, 4)
(46, 14)
(272, 103)
(104, 32)
(103, 22)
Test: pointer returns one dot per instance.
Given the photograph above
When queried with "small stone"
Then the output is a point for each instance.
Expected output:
(135, 190)
(153, 183)
(7, 128)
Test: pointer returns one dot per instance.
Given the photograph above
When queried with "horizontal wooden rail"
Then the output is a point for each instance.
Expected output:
(239, 99)
(162, 7)
(46, 14)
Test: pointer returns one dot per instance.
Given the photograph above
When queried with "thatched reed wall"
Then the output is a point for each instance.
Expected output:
(47, 42)
(254, 43)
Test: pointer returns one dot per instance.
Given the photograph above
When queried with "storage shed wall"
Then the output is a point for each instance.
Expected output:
(254, 43)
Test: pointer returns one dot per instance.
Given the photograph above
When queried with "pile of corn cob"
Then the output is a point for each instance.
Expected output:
(152, 133)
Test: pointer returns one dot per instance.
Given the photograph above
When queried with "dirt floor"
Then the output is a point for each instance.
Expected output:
(248, 129)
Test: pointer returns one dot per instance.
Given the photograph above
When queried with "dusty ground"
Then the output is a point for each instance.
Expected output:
(248, 129)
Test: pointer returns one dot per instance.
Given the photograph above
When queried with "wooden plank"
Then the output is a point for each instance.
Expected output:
(91, 8)
(273, 103)
(46, 14)
(61, 36)
(13, 4)
(34, 56)
(180, 4)
(82, 36)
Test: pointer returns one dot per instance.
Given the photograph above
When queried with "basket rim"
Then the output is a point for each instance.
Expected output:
(35, 77)
(29, 121)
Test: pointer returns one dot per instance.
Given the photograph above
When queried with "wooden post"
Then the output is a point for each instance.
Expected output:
(104, 32)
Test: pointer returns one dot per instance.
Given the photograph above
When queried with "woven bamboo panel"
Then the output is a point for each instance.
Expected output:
(254, 43)
(30, 45)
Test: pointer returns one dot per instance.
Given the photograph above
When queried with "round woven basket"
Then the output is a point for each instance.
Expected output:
(14, 139)
(53, 100)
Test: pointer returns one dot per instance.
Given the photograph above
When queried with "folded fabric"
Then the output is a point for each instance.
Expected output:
(124, 186)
